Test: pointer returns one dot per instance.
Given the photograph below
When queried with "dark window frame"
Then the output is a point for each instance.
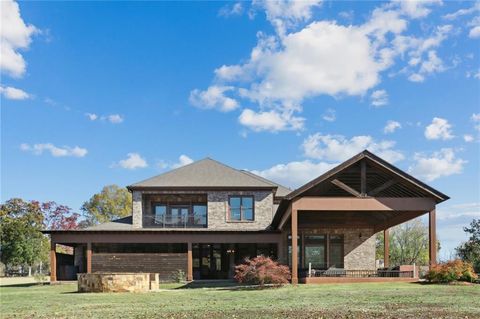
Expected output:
(242, 219)
(169, 206)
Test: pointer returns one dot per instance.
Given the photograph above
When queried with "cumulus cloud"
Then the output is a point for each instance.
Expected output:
(55, 151)
(294, 174)
(214, 98)
(231, 10)
(379, 98)
(133, 161)
(91, 116)
(475, 118)
(337, 148)
(272, 121)
(15, 36)
(439, 164)
(439, 129)
(391, 127)
(182, 161)
(468, 138)
(305, 59)
(114, 118)
(329, 115)
(12, 93)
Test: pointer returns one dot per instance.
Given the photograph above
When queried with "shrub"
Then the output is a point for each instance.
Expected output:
(178, 275)
(262, 270)
(454, 270)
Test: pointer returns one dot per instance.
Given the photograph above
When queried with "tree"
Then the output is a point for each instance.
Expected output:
(22, 243)
(470, 251)
(408, 244)
(111, 203)
(59, 216)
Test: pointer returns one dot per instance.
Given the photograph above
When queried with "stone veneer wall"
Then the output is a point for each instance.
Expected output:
(359, 252)
(217, 208)
(117, 282)
(137, 209)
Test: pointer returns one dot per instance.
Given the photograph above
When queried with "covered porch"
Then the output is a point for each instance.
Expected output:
(329, 225)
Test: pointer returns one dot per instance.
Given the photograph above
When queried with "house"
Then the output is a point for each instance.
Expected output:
(206, 217)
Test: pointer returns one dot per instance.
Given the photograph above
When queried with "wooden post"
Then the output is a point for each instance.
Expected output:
(53, 261)
(189, 262)
(294, 246)
(386, 249)
(432, 231)
(363, 178)
(89, 257)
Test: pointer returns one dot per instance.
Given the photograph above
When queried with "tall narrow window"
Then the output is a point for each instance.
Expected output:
(241, 208)
(160, 211)
(336, 251)
(315, 252)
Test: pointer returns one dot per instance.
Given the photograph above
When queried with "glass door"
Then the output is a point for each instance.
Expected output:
(178, 216)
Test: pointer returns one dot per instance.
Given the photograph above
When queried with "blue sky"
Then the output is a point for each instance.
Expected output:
(102, 93)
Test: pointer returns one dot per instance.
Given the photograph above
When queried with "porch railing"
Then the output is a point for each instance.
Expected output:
(177, 221)
(361, 273)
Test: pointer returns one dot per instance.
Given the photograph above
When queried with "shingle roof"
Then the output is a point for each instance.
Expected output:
(124, 223)
(209, 173)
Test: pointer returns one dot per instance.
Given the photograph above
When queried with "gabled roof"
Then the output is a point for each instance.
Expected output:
(410, 184)
(208, 173)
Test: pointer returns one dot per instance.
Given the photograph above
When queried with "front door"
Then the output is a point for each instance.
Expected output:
(210, 261)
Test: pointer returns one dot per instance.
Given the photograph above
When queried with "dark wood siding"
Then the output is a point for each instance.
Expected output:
(162, 263)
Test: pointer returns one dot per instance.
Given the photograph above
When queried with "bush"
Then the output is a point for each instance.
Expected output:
(178, 275)
(262, 270)
(455, 270)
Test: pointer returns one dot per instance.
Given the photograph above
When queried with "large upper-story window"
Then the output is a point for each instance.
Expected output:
(178, 216)
(241, 208)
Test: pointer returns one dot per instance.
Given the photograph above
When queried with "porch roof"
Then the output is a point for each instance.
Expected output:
(361, 179)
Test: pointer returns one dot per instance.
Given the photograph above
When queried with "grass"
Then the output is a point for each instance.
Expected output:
(368, 300)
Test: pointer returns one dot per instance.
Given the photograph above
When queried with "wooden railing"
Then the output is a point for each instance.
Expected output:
(337, 272)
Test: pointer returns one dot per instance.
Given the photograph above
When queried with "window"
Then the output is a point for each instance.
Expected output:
(241, 208)
(315, 252)
(160, 211)
(336, 251)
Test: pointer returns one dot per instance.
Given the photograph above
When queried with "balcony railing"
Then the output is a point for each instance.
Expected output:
(177, 221)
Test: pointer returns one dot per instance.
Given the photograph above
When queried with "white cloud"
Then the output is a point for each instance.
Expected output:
(337, 148)
(439, 164)
(439, 129)
(55, 151)
(12, 93)
(417, 8)
(329, 115)
(91, 116)
(231, 10)
(15, 35)
(468, 138)
(114, 118)
(284, 14)
(391, 127)
(214, 98)
(474, 32)
(476, 119)
(462, 12)
(294, 174)
(182, 161)
(379, 98)
(272, 121)
(133, 161)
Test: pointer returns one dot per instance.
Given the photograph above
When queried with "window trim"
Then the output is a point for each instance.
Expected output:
(242, 219)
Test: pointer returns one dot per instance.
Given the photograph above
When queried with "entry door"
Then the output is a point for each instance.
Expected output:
(178, 215)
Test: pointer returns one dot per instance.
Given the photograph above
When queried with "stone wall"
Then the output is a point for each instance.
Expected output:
(358, 246)
(217, 208)
(117, 282)
(137, 209)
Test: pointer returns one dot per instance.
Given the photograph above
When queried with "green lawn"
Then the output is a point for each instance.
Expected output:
(369, 300)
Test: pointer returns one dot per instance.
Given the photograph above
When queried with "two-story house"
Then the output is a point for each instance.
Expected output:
(206, 217)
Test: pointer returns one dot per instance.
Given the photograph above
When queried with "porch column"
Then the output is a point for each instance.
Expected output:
(89, 257)
(386, 249)
(53, 261)
(432, 231)
(294, 246)
(189, 262)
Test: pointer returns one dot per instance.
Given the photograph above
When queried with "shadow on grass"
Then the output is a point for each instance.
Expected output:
(223, 285)
(24, 285)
